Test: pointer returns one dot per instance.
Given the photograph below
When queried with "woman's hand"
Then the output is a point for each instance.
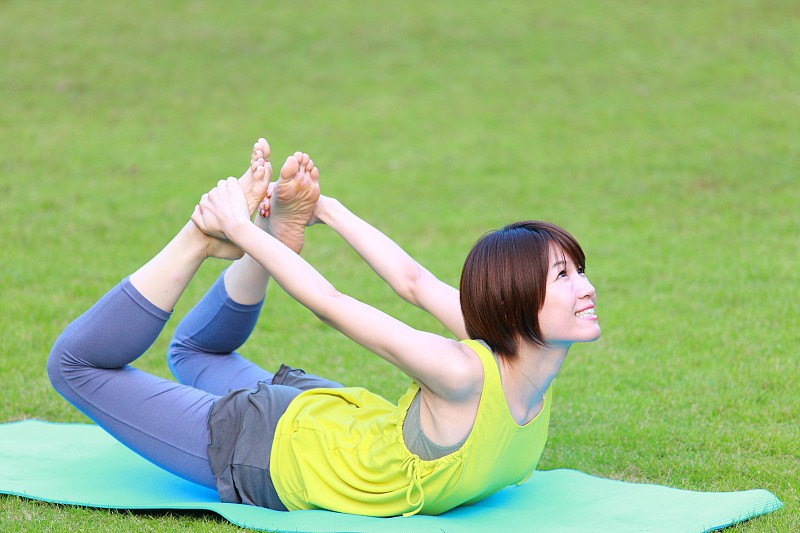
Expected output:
(222, 210)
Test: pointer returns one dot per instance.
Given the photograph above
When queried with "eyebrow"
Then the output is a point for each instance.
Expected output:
(559, 263)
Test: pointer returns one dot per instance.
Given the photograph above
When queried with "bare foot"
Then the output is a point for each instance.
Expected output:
(290, 202)
(255, 180)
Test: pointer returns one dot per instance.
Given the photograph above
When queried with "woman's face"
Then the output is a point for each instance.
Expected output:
(568, 314)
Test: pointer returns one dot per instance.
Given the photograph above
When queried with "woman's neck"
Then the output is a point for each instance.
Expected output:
(527, 377)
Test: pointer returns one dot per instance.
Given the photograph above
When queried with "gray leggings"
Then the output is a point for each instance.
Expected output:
(161, 420)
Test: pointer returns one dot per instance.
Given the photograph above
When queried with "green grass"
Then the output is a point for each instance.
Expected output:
(664, 135)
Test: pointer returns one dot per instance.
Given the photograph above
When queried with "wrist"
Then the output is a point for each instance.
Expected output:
(237, 231)
(325, 208)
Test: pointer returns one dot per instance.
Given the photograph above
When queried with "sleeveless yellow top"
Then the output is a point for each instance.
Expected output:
(343, 450)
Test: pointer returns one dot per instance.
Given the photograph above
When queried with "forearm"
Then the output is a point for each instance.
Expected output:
(370, 327)
(400, 271)
(410, 280)
(293, 273)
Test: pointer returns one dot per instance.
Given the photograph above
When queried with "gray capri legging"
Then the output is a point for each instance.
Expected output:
(163, 421)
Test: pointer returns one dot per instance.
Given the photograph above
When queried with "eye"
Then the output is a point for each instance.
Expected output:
(581, 270)
(561, 274)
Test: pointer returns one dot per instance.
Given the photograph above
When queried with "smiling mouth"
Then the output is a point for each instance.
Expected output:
(586, 313)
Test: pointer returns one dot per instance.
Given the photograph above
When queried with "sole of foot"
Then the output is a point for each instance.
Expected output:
(291, 201)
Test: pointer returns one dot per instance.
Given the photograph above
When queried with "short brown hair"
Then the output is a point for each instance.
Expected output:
(504, 280)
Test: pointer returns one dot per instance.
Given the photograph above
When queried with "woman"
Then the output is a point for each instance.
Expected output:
(473, 420)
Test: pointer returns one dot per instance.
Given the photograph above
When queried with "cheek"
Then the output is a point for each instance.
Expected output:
(550, 316)
(557, 302)
(556, 311)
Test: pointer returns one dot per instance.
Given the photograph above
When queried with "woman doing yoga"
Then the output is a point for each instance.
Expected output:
(474, 418)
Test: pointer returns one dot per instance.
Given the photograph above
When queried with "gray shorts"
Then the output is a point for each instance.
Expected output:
(242, 427)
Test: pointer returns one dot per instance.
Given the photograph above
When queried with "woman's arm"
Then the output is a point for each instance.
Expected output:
(444, 366)
(410, 280)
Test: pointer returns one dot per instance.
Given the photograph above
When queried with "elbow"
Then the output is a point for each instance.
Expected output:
(411, 286)
(330, 301)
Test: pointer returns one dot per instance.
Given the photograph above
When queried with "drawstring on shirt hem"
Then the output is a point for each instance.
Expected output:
(411, 466)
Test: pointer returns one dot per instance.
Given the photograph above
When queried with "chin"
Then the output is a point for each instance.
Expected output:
(593, 337)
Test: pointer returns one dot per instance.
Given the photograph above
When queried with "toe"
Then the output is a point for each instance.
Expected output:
(260, 150)
(290, 168)
(304, 161)
(260, 171)
(263, 208)
(264, 148)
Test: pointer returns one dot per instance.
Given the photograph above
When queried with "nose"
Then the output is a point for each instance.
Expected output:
(585, 288)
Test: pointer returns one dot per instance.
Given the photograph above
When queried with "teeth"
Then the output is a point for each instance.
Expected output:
(584, 314)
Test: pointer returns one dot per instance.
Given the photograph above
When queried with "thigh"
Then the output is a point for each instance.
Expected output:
(215, 373)
(163, 421)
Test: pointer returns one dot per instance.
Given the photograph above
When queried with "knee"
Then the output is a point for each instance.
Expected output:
(55, 364)
(63, 363)
(178, 353)
(180, 344)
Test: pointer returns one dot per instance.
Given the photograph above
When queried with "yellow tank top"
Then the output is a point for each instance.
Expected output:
(343, 450)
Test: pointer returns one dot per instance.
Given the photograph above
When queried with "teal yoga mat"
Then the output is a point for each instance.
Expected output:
(80, 464)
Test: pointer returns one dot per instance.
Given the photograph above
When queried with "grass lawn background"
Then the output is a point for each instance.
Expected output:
(664, 135)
